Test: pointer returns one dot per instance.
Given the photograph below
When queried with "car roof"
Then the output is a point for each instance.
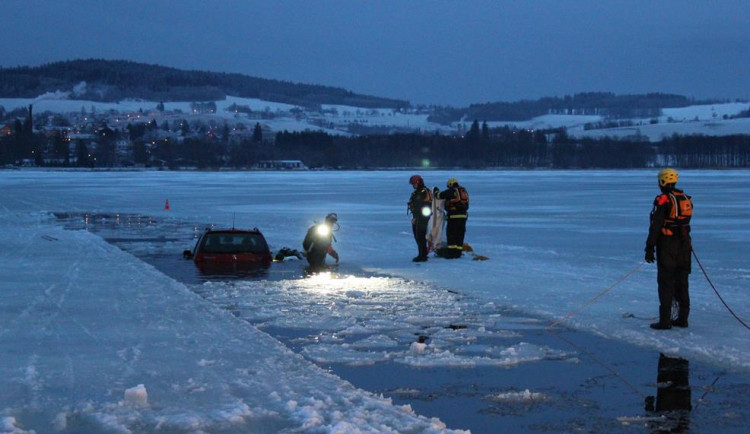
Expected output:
(233, 231)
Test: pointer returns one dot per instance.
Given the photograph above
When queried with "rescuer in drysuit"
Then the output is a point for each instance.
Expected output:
(420, 208)
(669, 234)
(456, 206)
(317, 243)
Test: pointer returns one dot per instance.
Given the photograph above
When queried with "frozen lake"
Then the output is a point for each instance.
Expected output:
(88, 316)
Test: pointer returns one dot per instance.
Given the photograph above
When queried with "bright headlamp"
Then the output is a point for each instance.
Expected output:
(323, 230)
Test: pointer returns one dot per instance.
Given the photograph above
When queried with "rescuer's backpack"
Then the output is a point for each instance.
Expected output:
(459, 202)
(680, 213)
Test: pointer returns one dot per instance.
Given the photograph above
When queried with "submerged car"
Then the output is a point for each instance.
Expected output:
(230, 250)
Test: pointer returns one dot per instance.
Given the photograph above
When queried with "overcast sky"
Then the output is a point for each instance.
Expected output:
(436, 52)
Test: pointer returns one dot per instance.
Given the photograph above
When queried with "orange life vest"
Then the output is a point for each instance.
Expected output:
(681, 210)
(459, 202)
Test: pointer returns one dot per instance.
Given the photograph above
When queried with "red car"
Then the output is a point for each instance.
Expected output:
(229, 250)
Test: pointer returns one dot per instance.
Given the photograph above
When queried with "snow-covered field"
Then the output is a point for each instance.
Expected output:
(693, 120)
(664, 130)
(94, 339)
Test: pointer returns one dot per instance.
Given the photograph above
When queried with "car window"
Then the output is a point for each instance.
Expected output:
(235, 243)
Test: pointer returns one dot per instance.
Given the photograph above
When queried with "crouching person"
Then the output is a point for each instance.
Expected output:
(318, 242)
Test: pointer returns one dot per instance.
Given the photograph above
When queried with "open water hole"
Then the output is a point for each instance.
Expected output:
(578, 383)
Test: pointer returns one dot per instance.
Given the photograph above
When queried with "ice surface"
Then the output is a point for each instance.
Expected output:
(83, 324)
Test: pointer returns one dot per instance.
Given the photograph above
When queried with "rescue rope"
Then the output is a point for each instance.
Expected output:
(644, 318)
(587, 304)
(583, 351)
(597, 361)
(709, 389)
(717, 292)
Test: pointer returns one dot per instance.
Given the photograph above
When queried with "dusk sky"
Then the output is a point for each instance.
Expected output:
(438, 52)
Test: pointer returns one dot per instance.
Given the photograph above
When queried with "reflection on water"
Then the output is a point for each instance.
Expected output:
(673, 395)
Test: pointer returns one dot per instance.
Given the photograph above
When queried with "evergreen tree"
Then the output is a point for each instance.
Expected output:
(140, 152)
(184, 127)
(60, 148)
(472, 136)
(257, 133)
(225, 134)
(82, 154)
(106, 152)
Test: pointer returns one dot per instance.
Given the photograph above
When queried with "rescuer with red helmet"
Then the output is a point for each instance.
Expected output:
(669, 235)
(420, 207)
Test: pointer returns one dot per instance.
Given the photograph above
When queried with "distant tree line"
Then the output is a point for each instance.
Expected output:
(480, 148)
(483, 148)
(605, 104)
(114, 80)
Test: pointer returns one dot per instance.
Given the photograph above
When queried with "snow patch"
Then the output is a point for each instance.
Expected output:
(9, 425)
(137, 396)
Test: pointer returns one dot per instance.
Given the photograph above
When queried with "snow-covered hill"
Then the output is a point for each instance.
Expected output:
(710, 120)
(334, 119)
(713, 120)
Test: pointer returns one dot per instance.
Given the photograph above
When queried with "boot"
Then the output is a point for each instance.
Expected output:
(419, 258)
(682, 318)
(665, 323)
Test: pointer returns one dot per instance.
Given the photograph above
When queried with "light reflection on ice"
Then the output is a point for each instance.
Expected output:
(522, 396)
(359, 321)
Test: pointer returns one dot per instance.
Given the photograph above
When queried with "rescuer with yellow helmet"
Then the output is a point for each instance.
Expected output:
(420, 207)
(456, 207)
(669, 236)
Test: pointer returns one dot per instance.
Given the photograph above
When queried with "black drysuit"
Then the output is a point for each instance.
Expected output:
(457, 213)
(420, 198)
(318, 245)
(670, 235)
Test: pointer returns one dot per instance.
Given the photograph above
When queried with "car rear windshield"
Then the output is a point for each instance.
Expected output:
(235, 243)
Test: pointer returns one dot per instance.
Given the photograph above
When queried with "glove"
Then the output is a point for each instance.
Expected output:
(334, 254)
(435, 191)
(650, 258)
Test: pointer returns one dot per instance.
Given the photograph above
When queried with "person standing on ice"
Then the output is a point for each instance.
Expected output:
(318, 240)
(456, 206)
(669, 235)
(420, 207)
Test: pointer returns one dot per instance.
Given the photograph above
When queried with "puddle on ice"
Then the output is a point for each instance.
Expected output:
(472, 363)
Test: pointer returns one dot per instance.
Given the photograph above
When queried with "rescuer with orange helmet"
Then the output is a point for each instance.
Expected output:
(669, 235)
(420, 208)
